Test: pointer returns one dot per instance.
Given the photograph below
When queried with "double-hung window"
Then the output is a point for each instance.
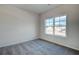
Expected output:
(56, 26)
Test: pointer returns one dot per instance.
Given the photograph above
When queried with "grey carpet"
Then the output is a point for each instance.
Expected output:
(36, 47)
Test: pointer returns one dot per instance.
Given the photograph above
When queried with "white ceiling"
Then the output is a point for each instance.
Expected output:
(37, 8)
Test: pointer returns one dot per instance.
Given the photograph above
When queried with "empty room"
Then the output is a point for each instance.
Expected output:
(39, 29)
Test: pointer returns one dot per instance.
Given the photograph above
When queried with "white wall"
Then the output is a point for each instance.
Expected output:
(17, 26)
(72, 12)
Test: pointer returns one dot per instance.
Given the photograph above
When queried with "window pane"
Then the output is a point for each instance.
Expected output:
(63, 20)
(49, 30)
(56, 21)
(62, 23)
(60, 31)
(51, 21)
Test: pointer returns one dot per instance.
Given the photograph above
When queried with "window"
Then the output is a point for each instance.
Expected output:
(56, 26)
(49, 26)
(60, 26)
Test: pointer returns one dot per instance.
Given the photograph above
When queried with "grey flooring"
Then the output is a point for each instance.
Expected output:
(36, 47)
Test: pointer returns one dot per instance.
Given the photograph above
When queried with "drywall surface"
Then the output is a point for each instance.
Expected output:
(16, 25)
(72, 38)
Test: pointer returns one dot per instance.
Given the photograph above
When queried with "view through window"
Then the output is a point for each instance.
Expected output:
(56, 26)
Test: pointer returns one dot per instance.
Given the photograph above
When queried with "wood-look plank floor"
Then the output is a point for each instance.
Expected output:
(36, 47)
